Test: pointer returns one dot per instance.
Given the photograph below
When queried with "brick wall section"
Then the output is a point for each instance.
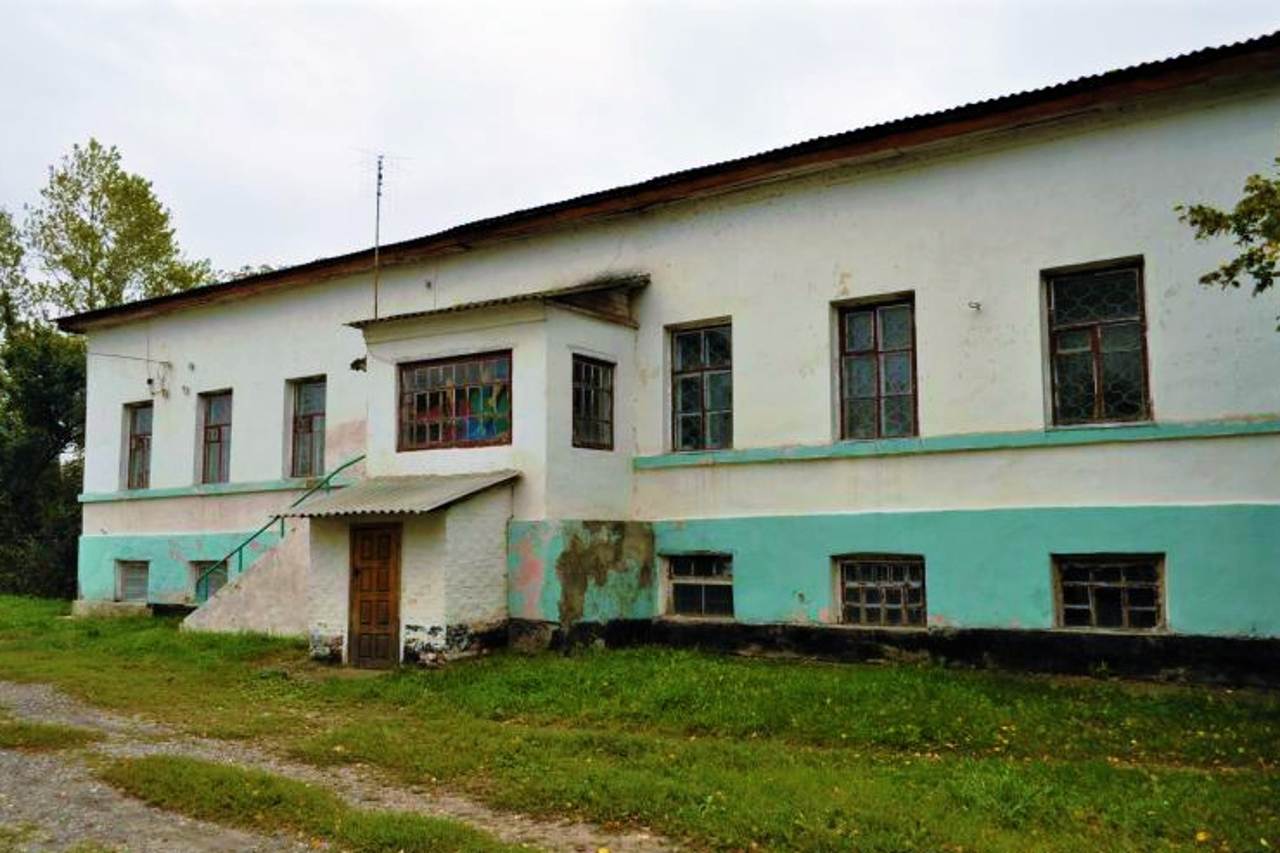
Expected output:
(476, 548)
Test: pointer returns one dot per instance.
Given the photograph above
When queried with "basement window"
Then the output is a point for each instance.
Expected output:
(882, 590)
(207, 585)
(131, 580)
(700, 585)
(1122, 592)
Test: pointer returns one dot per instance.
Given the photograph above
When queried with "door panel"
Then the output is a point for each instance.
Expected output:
(375, 596)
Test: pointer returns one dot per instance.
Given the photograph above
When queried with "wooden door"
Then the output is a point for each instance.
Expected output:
(375, 596)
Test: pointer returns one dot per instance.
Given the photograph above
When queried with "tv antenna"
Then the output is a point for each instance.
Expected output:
(377, 236)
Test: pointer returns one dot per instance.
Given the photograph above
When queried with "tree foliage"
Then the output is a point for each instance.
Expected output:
(100, 237)
(1253, 224)
(97, 238)
(42, 396)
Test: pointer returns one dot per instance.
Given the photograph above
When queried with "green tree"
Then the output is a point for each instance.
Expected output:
(41, 444)
(1253, 225)
(100, 237)
(12, 276)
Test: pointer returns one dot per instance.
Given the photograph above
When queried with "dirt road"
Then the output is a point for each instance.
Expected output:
(52, 802)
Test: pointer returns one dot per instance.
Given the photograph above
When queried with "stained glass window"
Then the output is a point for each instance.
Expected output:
(456, 402)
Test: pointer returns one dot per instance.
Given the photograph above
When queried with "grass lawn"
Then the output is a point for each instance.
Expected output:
(723, 753)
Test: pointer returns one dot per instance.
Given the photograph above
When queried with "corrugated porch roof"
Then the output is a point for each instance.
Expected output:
(399, 495)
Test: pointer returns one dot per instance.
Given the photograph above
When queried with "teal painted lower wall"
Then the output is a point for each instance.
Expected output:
(169, 556)
(571, 571)
(984, 568)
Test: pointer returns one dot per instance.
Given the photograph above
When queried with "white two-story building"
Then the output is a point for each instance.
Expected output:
(945, 375)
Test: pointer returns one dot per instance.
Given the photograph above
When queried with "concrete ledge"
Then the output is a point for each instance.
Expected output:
(81, 608)
(1163, 657)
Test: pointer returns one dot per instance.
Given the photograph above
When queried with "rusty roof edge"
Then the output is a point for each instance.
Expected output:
(1235, 59)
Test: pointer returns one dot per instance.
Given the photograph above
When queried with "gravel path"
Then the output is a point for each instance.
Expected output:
(54, 796)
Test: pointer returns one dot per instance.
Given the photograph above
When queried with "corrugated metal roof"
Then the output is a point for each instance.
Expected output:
(399, 495)
(630, 281)
(1081, 93)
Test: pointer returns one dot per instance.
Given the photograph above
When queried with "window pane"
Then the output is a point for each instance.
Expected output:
(1123, 385)
(719, 347)
(860, 332)
(895, 327)
(142, 420)
(689, 432)
(688, 350)
(860, 376)
(1094, 296)
(1074, 377)
(689, 393)
(719, 429)
(686, 599)
(895, 374)
(860, 419)
(718, 599)
(720, 390)
(1122, 337)
(899, 419)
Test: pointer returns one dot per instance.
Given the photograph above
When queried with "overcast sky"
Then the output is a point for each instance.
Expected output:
(258, 122)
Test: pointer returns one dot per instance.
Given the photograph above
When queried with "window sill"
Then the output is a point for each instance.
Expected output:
(1051, 437)
(203, 489)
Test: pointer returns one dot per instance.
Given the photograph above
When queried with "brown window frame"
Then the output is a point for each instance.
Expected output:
(414, 413)
(1143, 573)
(1095, 330)
(876, 593)
(592, 402)
(717, 573)
(704, 371)
(877, 352)
(310, 424)
(215, 434)
(138, 446)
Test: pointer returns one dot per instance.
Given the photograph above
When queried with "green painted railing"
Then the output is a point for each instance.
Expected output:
(223, 566)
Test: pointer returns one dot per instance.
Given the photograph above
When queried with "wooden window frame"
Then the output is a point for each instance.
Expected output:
(592, 402)
(413, 412)
(310, 424)
(222, 438)
(137, 472)
(876, 593)
(721, 577)
(877, 352)
(1095, 328)
(1152, 564)
(703, 372)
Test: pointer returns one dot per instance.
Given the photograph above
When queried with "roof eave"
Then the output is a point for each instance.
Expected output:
(1076, 97)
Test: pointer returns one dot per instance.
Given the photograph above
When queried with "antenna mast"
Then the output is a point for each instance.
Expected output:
(377, 235)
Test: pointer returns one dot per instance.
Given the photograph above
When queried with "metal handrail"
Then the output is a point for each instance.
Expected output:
(202, 582)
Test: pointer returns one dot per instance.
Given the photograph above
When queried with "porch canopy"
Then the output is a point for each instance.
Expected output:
(399, 495)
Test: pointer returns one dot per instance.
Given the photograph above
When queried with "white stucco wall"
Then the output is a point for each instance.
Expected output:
(584, 482)
(1203, 471)
(966, 223)
(253, 347)
(476, 559)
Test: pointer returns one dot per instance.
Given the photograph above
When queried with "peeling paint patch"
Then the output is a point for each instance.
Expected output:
(605, 571)
(326, 645)
(527, 549)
